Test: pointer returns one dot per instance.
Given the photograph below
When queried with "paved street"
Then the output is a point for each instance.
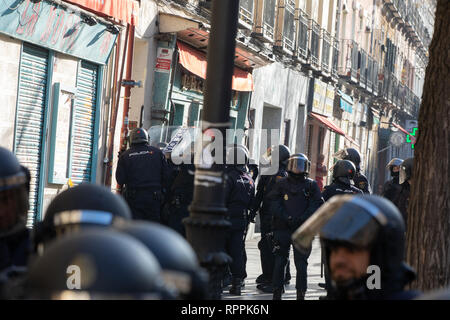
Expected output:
(254, 269)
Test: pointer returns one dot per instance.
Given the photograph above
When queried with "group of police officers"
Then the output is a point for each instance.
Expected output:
(96, 244)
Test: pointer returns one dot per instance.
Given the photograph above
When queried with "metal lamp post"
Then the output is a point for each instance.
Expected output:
(206, 226)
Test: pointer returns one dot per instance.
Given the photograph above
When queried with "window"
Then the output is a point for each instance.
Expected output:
(310, 136)
(287, 132)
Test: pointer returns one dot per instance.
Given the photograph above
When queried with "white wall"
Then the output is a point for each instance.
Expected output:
(278, 86)
(9, 73)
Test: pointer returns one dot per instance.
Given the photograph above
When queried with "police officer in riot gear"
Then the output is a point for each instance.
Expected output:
(85, 205)
(260, 204)
(239, 194)
(179, 264)
(293, 200)
(143, 170)
(401, 200)
(343, 174)
(364, 241)
(96, 263)
(360, 179)
(180, 195)
(14, 236)
(392, 187)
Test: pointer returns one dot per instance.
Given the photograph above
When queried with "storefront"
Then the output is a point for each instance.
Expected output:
(184, 102)
(52, 59)
(321, 128)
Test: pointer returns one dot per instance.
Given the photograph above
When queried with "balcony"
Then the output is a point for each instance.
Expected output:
(348, 61)
(326, 48)
(302, 36)
(315, 44)
(362, 69)
(369, 82)
(285, 33)
(265, 16)
(375, 77)
(246, 14)
(335, 62)
(399, 95)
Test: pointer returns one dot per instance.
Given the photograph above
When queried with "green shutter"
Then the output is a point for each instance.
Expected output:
(31, 102)
(83, 124)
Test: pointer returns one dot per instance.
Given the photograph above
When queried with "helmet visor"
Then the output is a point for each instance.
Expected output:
(343, 218)
(298, 166)
(403, 177)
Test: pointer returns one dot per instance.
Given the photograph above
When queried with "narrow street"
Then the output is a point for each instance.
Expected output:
(254, 270)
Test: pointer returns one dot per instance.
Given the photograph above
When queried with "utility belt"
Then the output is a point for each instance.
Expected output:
(179, 200)
(130, 193)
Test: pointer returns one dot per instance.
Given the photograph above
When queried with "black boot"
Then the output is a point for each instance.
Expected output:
(277, 292)
(300, 295)
(236, 284)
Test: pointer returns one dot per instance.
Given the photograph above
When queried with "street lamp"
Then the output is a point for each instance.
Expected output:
(206, 226)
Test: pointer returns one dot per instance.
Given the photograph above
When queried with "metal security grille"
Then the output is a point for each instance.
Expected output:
(83, 123)
(30, 118)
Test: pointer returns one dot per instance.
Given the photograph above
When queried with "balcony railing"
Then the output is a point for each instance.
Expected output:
(326, 47)
(246, 9)
(375, 77)
(363, 68)
(315, 44)
(348, 62)
(303, 35)
(369, 82)
(335, 62)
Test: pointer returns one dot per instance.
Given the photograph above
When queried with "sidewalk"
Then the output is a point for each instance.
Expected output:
(254, 269)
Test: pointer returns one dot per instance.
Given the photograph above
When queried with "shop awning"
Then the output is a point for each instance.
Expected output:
(346, 102)
(125, 10)
(328, 123)
(332, 126)
(196, 62)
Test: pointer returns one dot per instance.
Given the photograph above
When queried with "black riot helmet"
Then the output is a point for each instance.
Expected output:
(350, 154)
(14, 189)
(237, 156)
(395, 162)
(138, 136)
(180, 267)
(95, 264)
(361, 222)
(298, 165)
(406, 169)
(344, 171)
(84, 205)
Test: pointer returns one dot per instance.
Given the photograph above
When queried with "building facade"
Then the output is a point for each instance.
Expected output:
(54, 69)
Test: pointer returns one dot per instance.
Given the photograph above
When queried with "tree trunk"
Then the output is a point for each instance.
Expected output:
(428, 230)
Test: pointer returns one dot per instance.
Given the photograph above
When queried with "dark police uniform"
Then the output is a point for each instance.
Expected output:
(293, 201)
(239, 193)
(337, 187)
(180, 197)
(362, 183)
(402, 200)
(14, 252)
(143, 170)
(265, 185)
(391, 189)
